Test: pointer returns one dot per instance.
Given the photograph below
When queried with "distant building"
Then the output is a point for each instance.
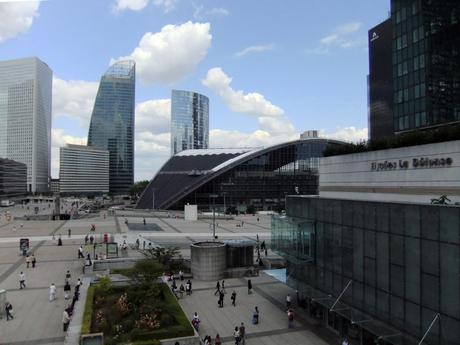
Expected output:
(309, 134)
(54, 185)
(25, 118)
(189, 121)
(83, 170)
(112, 123)
(425, 67)
(239, 179)
(380, 81)
(13, 179)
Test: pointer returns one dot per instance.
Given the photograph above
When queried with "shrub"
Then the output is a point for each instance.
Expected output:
(87, 315)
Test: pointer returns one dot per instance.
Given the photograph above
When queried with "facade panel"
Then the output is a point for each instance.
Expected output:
(13, 179)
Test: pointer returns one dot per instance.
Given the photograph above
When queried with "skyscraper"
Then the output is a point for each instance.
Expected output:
(425, 65)
(189, 121)
(112, 123)
(25, 118)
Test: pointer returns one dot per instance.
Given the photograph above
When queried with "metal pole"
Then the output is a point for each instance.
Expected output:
(214, 219)
(429, 328)
(225, 208)
(340, 296)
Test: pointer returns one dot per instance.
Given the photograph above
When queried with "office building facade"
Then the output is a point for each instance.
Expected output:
(112, 123)
(426, 67)
(380, 81)
(83, 170)
(189, 121)
(13, 179)
(25, 115)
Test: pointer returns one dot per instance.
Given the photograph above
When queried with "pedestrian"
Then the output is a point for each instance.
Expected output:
(33, 260)
(88, 260)
(86, 239)
(233, 298)
(181, 275)
(27, 261)
(345, 341)
(59, 241)
(257, 219)
(181, 290)
(262, 246)
(242, 331)
(52, 292)
(217, 288)
(222, 286)
(144, 221)
(91, 239)
(69, 232)
(138, 243)
(22, 280)
(67, 276)
(221, 299)
(67, 289)
(207, 340)
(288, 301)
(249, 286)
(266, 251)
(8, 311)
(196, 321)
(217, 340)
(236, 335)
(65, 320)
(143, 245)
(255, 316)
(187, 288)
(190, 283)
(80, 252)
(290, 314)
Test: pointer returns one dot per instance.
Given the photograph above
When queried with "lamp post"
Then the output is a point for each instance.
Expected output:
(213, 196)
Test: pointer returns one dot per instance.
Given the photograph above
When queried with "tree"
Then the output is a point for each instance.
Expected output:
(168, 257)
(138, 187)
(145, 272)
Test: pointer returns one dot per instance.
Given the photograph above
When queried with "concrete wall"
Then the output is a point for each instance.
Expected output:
(193, 340)
(412, 174)
(208, 260)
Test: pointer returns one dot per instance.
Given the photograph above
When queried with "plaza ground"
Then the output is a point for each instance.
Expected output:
(38, 321)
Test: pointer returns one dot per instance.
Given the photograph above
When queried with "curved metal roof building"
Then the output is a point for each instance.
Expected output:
(235, 179)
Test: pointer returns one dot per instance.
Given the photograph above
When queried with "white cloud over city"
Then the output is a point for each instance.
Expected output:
(255, 49)
(139, 5)
(170, 55)
(16, 17)
(201, 12)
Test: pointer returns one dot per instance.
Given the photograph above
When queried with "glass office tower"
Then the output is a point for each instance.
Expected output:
(25, 118)
(189, 121)
(112, 123)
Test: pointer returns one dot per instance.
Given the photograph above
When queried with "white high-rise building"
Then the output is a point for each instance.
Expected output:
(25, 118)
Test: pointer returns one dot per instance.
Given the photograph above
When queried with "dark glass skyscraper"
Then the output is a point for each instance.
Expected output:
(425, 65)
(189, 121)
(112, 123)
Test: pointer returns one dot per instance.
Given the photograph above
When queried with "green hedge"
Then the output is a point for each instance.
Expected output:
(183, 329)
(86, 326)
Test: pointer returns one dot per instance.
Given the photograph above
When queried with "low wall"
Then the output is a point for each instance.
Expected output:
(110, 264)
(193, 340)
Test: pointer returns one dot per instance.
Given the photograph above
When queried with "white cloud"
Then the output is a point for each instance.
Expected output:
(154, 115)
(255, 49)
(168, 5)
(345, 36)
(16, 17)
(201, 13)
(74, 99)
(351, 134)
(59, 138)
(139, 5)
(173, 53)
(251, 103)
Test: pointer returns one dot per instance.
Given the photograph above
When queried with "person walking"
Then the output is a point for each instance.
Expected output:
(181, 275)
(255, 316)
(33, 260)
(52, 292)
(242, 331)
(249, 286)
(8, 311)
(217, 288)
(67, 290)
(67, 276)
(196, 321)
(80, 252)
(221, 299)
(345, 341)
(59, 241)
(69, 232)
(27, 261)
(91, 239)
(86, 239)
(65, 320)
(233, 298)
(288, 301)
(290, 314)
(236, 335)
(22, 280)
(190, 284)
(144, 221)
(222, 286)
(217, 340)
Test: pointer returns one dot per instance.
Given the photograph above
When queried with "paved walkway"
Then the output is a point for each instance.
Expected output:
(269, 296)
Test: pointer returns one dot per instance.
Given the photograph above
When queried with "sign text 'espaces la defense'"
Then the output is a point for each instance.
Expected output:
(424, 162)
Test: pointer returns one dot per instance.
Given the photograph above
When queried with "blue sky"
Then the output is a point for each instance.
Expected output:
(270, 68)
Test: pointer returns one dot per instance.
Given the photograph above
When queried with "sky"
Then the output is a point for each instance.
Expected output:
(271, 69)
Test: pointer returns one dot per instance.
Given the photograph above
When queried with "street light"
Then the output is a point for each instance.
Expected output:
(213, 196)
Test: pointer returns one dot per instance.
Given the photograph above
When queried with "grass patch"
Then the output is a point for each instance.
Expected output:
(86, 325)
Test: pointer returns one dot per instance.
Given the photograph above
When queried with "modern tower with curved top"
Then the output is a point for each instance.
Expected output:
(112, 123)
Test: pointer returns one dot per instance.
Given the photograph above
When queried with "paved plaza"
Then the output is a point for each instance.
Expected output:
(39, 321)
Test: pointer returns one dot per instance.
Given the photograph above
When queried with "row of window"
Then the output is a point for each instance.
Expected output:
(407, 94)
(414, 64)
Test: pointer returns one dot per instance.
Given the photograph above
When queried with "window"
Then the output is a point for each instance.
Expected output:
(415, 35)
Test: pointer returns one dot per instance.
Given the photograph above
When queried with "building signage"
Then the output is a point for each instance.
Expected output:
(414, 163)
(374, 36)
